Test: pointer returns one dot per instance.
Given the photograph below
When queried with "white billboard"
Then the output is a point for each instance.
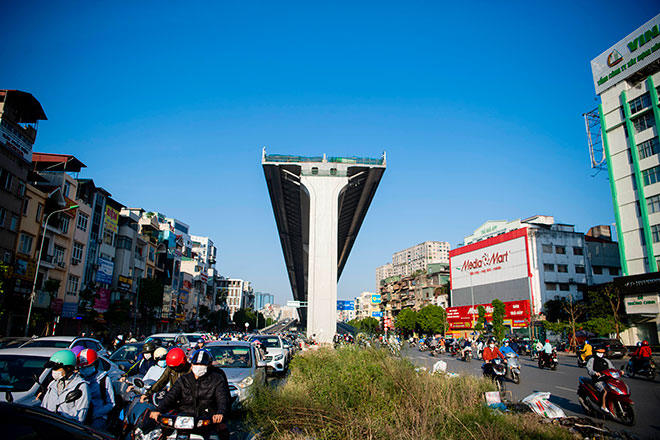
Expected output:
(502, 261)
(637, 50)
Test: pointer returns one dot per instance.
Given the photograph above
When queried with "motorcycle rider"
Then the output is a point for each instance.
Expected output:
(467, 345)
(641, 357)
(65, 380)
(101, 394)
(177, 366)
(506, 348)
(587, 351)
(547, 351)
(142, 366)
(157, 370)
(490, 352)
(595, 365)
(204, 391)
(200, 344)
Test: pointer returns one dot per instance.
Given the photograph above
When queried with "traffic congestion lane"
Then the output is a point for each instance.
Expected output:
(562, 384)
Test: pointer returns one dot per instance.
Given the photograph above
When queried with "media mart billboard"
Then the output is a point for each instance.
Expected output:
(494, 268)
(637, 50)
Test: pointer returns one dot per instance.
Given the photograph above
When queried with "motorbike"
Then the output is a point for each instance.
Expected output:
(582, 360)
(618, 400)
(423, 346)
(437, 350)
(495, 370)
(453, 350)
(548, 361)
(513, 367)
(647, 369)
(466, 354)
(174, 426)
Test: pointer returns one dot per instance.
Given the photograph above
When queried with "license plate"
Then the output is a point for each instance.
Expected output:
(182, 435)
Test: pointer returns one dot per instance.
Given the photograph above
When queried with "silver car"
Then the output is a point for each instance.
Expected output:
(19, 366)
(66, 342)
(242, 364)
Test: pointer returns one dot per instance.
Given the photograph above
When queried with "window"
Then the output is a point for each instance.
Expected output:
(549, 267)
(109, 238)
(58, 254)
(152, 254)
(579, 268)
(564, 287)
(6, 179)
(550, 286)
(21, 189)
(614, 271)
(72, 285)
(561, 250)
(26, 204)
(598, 270)
(640, 103)
(66, 188)
(124, 242)
(25, 244)
(655, 233)
(3, 216)
(82, 221)
(563, 268)
(64, 224)
(652, 175)
(547, 248)
(150, 272)
(653, 204)
(76, 253)
(13, 226)
(643, 122)
(630, 158)
(40, 209)
(648, 148)
(7, 257)
(577, 250)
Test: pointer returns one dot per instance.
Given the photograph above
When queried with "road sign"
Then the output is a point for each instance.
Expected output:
(377, 314)
(293, 303)
(375, 299)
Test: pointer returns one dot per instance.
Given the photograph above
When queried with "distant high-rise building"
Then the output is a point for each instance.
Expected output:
(413, 259)
(261, 299)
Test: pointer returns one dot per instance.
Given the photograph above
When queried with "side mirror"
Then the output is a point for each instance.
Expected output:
(73, 396)
(138, 382)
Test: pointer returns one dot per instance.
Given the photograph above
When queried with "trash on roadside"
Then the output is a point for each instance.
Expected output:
(492, 397)
(418, 369)
(440, 367)
(540, 404)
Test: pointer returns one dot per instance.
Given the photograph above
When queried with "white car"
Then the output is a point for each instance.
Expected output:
(275, 356)
(19, 366)
(168, 340)
(66, 342)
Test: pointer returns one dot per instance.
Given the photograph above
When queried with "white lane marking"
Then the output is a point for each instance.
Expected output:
(564, 388)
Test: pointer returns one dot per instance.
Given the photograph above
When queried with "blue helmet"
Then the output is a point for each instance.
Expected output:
(201, 357)
(201, 341)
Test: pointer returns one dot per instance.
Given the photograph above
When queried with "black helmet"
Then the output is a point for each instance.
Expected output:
(148, 347)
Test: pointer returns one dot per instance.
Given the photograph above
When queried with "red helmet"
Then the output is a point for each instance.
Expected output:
(87, 357)
(645, 342)
(547, 340)
(175, 358)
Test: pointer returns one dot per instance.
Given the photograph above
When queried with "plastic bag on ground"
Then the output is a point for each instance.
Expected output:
(540, 404)
(440, 367)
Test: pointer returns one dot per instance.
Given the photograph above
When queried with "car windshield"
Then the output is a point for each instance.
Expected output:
(9, 343)
(126, 353)
(47, 343)
(16, 371)
(228, 356)
(269, 342)
(163, 341)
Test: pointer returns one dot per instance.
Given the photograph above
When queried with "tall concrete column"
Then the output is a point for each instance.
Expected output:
(322, 264)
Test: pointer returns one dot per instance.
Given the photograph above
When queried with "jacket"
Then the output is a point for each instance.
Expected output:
(154, 373)
(56, 394)
(170, 375)
(102, 400)
(643, 351)
(141, 367)
(203, 397)
(491, 353)
(596, 365)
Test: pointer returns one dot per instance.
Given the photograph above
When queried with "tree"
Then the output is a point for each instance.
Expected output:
(432, 319)
(406, 320)
(554, 310)
(615, 301)
(574, 311)
(245, 315)
(498, 319)
(481, 320)
(369, 325)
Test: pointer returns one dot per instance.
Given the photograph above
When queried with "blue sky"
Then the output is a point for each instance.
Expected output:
(477, 105)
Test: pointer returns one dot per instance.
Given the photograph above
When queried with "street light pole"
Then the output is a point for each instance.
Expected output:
(36, 272)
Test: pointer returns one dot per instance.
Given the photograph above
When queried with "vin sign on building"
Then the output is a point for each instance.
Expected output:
(497, 267)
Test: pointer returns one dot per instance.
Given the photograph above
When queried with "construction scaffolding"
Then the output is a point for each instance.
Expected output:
(595, 139)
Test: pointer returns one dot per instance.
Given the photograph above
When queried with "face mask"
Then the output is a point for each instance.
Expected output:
(57, 375)
(600, 355)
(147, 356)
(162, 363)
(88, 371)
(491, 345)
(199, 370)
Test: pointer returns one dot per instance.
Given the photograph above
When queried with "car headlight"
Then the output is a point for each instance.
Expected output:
(279, 357)
(184, 422)
(246, 382)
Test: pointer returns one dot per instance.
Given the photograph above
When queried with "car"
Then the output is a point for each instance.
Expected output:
(613, 347)
(169, 340)
(13, 341)
(29, 422)
(275, 355)
(66, 342)
(126, 355)
(20, 366)
(242, 364)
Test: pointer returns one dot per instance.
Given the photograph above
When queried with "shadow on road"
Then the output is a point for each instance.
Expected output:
(566, 404)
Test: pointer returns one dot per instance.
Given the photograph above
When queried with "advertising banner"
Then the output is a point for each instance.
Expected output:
(104, 272)
(124, 283)
(56, 305)
(102, 302)
(636, 51)
(517, 312)
(15, 142)
(376, 314)
(24, 269)
(375, 299)
(111, 220)
(642, 304)
(183, 297)
(345, 305)
(69, 309)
